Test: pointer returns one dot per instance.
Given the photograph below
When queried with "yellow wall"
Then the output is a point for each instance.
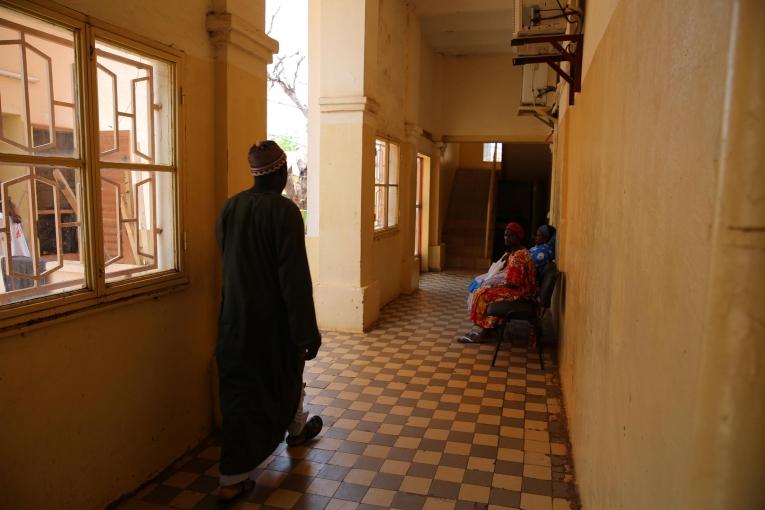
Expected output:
(480, 99)
(471, 156)
(449, 164)
(392, 70)
(597, 18)
(94, 406)
(729, 446)
(637, 163)
(387, 266)
(429, 90)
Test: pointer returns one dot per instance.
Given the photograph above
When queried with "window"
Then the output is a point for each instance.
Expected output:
(88, 201)
(386, 184)
(488, 152)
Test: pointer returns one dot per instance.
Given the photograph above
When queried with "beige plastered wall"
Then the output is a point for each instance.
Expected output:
(450, 160)
(480, 98)
(661, 236)
(95, 405)
(729, 447)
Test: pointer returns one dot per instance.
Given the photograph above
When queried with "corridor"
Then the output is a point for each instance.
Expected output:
(413, 420)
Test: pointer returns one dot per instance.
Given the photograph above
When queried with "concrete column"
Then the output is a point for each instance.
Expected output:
(242, 53)
(410, 270)
(347, 297)
(436, 249)
(314, 127)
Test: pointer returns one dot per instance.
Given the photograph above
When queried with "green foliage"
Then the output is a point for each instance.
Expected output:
(286, 142)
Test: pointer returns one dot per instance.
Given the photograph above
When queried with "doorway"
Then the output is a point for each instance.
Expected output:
(523, 191)
(421, 214)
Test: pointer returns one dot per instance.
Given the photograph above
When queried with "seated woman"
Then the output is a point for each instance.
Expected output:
(543, 251)
(518, 282)
(491, 278)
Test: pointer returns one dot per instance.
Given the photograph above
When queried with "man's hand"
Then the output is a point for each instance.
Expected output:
(311, 352)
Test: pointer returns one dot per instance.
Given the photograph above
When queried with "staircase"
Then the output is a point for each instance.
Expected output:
(465, 226)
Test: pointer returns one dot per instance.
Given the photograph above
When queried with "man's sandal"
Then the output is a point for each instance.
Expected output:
(245, 487)
(310, 430)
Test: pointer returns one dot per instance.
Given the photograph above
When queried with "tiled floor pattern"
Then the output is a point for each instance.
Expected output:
(413, 420)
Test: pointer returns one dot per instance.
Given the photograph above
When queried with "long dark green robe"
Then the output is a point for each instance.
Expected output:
(266, 322)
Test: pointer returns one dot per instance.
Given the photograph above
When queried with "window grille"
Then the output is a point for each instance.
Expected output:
(88, 162)
(386, 184)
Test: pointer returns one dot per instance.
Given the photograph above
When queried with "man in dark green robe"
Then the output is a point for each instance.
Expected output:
(267, 325)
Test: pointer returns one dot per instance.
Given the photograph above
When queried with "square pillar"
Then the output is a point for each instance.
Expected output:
(347, 296)
(242, 54)
(410, 267)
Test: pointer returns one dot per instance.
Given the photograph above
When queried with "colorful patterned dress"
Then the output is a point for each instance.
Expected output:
(520, 281)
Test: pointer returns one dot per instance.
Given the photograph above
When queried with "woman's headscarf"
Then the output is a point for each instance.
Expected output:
(515, 228)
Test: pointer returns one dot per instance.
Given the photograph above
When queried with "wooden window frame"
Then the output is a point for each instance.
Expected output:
(386, 185)
(96, 293)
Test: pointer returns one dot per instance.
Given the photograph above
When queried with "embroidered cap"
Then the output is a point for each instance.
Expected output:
(266, 157)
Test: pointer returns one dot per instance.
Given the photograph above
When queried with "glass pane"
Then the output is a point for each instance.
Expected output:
(379, 207)
(37, 87)
(380, 161)
(138, 214)
(392, 206)
(135, 106)
(41, 243)
(393, 164)
(488, 152)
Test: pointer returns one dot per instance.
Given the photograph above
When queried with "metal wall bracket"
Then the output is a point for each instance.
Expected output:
(543, 115)
(574, 58)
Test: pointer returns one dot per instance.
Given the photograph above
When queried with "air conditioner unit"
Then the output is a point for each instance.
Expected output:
(537, 17)
(538, 92)
(538, 85)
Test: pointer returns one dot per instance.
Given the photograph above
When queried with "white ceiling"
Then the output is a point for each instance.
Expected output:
(466, 27)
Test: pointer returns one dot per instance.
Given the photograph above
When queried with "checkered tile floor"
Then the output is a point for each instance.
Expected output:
(413, 420)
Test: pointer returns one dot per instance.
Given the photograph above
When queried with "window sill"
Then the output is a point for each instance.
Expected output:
(58, 313)
(385, 233)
